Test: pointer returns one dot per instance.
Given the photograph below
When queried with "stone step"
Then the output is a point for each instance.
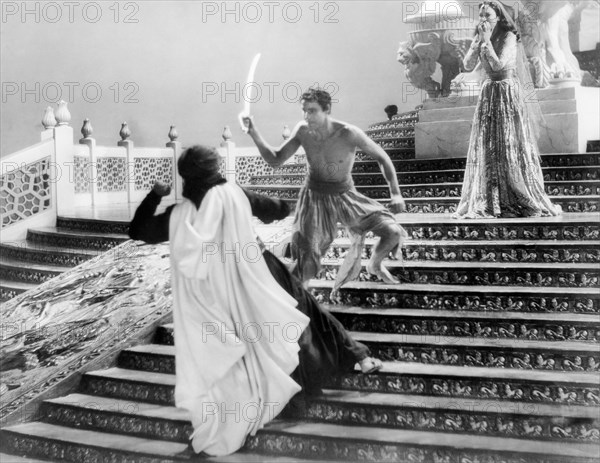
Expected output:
(10, 289)
(567, 227)
(367, 174)
(130, 385)
(484, 251)
(32, 252)
(538, 274)
(393, 143)
(525, 354)
(406, 122)
(17, 270)
(443, 414)
(64, 444)
(5, 458)
(395, 135)
(462, 298)
(478, 384)
(396, 153)
(134, 418)
(366, 164)
(111, 227)
(304, 439)
(575, 204)
(429, 205)
(566, 423)
(492, 353)
(74, 239)
(375, 186)
(403, 150)
(472, 382)
(157, 358)
(451, 325)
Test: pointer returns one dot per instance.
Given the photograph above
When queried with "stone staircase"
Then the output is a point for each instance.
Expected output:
(490, 342)
(434, 185)
(49, 251)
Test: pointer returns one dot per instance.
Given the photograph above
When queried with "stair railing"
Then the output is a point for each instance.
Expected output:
(57, 177)
(28, 178)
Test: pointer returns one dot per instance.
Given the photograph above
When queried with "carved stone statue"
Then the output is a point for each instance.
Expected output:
(439, 29)
(544, 27)
(554, 32)
(420, 62)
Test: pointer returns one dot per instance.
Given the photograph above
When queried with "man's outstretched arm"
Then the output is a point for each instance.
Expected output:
(153, 229)
(273, 156)
(366, 145)
(265, 208)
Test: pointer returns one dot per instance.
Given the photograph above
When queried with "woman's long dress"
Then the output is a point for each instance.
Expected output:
(503, 176)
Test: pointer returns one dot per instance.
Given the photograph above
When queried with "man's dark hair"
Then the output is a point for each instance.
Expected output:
(199, 167)
(391, 110)
(322, 97)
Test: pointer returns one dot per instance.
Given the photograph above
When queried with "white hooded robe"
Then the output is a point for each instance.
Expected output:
(236, 329)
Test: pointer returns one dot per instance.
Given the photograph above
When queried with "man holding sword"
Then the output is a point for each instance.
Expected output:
(329, 195)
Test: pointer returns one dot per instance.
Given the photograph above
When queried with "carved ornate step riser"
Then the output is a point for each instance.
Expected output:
(376, 188)
(454, 191)
(117, 421)
(26, 275)
(489, 418)
(474, 276)
(147, 362)
(475, 388)
(441, 350)
(402, 151)
(285, 176)
(93, 226)
(519, 356)
(8, 293)
(53, 450)
(449, 331)
(366, 164)
(432, 205)
(499, 232)
(551, 302)
(29, 255)
(276, 443)
(485, 252)
(479, 389)
(408, 383)
(127, 390)
(73, 241)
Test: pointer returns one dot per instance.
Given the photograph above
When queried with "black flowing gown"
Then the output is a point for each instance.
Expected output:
(326, 349)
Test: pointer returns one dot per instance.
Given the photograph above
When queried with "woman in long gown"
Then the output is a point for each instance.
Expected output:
(503, 176)
(212, 367)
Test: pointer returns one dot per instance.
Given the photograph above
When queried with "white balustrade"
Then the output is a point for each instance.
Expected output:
(57, 176)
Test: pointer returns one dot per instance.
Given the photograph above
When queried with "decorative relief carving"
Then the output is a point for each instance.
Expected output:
(25, 192)
(112, 174)
(149, 170)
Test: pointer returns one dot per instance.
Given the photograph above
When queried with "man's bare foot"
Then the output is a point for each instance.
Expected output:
(370, 365)
(382, 273)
